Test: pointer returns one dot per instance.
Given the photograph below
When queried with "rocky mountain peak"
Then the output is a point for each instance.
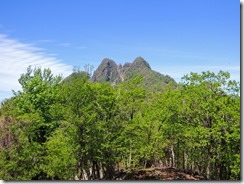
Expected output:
(107, 61)
(109, 71)
(140, 62)
(106, 72)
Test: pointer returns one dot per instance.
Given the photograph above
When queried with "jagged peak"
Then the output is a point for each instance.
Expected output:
(109, 71)
(141, 62)
(127, 64)
(107, 61)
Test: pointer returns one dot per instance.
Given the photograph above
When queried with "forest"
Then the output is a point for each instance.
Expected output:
(71, 128)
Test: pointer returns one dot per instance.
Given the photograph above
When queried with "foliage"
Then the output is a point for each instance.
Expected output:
(61, 159)
(76, 129)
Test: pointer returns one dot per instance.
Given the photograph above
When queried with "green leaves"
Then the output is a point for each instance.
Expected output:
(74, 128)
(209, 106)
(62, 149)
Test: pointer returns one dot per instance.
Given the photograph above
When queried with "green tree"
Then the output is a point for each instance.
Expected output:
(61, 159)
(39, 93)
(204, 124)
(74, 128)
(32, 124)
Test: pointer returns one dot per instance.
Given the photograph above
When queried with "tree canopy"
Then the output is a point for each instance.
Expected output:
(73, 128)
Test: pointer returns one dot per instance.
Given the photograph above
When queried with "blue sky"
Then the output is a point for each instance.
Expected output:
(175, 37)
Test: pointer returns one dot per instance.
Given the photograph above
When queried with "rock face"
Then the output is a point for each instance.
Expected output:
(109, 71)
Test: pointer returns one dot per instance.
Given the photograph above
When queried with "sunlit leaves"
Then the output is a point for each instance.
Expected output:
(62, 129)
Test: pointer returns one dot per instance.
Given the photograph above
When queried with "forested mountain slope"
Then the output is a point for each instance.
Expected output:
(74, 128)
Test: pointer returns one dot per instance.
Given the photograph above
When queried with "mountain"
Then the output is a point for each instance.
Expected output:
(109, 71)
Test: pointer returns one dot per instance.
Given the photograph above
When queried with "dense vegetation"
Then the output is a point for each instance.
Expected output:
(74, 128)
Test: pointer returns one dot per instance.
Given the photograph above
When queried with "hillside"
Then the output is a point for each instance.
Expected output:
(159, 173)
(70, 129)
(109, 71)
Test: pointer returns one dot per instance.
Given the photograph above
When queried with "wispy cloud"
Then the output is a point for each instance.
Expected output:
(65, 44)
(81, 47)
(60, 44)
(46, 41)
(15, 57)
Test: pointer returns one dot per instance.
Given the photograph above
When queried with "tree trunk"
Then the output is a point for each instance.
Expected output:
(208, 168)
(185, 158)
(173, 156)
(130, 156)
(177, 164)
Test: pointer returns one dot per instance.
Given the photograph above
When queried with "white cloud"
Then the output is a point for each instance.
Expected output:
(15, 57)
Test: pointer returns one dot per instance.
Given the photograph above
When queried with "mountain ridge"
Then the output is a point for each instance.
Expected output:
(109, 71)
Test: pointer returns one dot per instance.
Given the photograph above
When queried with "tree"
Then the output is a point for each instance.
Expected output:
(40, 92)
(31, 125)
(75, 128)
(206, 116)
(61, 159)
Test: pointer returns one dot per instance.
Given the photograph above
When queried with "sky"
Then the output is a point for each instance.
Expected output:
(174, 37)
